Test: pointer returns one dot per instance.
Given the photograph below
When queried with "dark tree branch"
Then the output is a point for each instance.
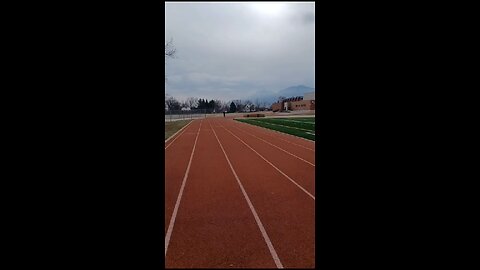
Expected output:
(170, 52)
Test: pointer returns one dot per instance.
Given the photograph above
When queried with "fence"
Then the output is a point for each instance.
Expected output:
(175, 115)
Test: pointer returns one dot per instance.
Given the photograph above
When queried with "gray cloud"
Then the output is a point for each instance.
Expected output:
(232, 51)
(309, 17)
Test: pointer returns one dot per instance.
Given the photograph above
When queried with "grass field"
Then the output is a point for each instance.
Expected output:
(174, 126)
(301, 127)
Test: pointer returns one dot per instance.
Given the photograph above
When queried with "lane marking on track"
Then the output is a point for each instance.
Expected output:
(183, 128)
(180, 194)
(283, 133)
(291, 180)
(277, 147)
(273, 252)
(271, 135)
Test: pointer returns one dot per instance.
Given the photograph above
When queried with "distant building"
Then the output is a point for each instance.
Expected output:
(277, 106)
(302, 105)
(295, 103)
(248, 108)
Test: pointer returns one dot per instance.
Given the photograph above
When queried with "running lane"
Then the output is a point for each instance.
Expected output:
(177, 156)
(284, 137)
(298, 170)
(214, 226)
(286, 211)
(307, 153)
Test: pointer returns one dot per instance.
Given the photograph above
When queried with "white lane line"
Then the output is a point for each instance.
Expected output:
(183, 128)
(273, 252)
(271, 135)
(180, 194)
(304, 190)
(277, 147)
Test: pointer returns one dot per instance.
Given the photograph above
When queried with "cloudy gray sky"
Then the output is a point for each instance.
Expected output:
(236, 50)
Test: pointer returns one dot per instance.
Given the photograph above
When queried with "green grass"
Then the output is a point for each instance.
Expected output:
(174, 126)
(291, 122)
(301, 127)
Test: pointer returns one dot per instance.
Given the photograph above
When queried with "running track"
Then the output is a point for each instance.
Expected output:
(238, 196)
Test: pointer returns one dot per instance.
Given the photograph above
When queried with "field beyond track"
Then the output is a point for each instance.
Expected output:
(172, 127)
(301, 127)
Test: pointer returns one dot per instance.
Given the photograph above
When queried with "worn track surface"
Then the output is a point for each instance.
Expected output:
(239, 196)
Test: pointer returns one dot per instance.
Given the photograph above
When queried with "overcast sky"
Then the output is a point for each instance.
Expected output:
(233, 50)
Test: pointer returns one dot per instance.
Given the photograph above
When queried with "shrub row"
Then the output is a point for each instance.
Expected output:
(254, 115)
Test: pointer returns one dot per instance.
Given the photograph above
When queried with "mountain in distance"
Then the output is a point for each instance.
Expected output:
(267, 96)
(295, 91)
(271, 96)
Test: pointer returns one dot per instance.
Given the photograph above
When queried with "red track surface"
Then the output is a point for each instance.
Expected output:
(255, 209)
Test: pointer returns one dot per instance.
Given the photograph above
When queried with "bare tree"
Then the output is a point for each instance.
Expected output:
(218, 105)
(192, 102)
(184, 104)
(166, 97)
(257, 104)
(170, 52)
(172, 104)
(248, 105)
(239, 104)
(225, 106)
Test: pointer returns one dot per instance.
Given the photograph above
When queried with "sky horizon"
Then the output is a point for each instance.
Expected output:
(238, 50)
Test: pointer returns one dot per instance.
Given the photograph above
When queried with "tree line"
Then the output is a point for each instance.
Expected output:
(214, 105)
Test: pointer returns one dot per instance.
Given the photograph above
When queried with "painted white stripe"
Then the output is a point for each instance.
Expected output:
(277, 147)
(180, 194)
(183, 128)
(291, 180)
(273, 252)
(271, 130)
